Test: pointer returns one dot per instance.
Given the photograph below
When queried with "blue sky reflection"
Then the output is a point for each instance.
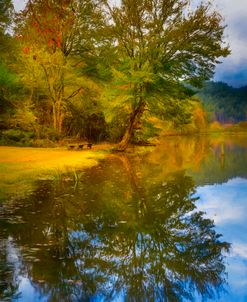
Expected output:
(226, 204)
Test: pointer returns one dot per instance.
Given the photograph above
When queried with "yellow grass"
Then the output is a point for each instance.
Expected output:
(17, 165)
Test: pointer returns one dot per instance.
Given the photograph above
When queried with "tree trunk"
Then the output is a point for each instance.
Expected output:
(54, 113)
(57, 116)
(60, 123)
(135, 116)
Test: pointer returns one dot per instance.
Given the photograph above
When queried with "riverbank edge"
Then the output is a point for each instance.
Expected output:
(21, 166)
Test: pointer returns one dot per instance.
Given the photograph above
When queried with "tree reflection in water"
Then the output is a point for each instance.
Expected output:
(113, 235)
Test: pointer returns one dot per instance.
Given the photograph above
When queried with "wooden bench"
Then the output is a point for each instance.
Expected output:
(71, 147)
(80, 146)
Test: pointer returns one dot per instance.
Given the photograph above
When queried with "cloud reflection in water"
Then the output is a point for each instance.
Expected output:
(226, 204)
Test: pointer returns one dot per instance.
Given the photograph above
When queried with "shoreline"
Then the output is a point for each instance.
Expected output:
(21, 166)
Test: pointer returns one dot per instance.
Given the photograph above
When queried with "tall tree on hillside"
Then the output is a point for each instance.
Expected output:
(161, 44)
(51, 33)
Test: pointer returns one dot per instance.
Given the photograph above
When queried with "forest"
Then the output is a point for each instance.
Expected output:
(91, 71)
(122, 164)
(224, 103)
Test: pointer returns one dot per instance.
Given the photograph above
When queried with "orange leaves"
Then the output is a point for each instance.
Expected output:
(45, 28)
(26, 50)
(58, 44)
(46, 22)
(54, 42)
(50, 43)
(58, 40)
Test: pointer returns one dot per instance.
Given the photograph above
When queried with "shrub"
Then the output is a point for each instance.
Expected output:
(48, 134)
(17, 135)
(216, 126)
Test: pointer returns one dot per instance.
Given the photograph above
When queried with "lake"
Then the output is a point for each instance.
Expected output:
(164, 223)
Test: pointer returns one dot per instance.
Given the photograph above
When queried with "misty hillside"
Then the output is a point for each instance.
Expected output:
(223, 102)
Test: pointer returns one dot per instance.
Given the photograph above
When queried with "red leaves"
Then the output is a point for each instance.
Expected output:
(54, 42)
(59, 41)
(46, 24)
(26, 50)
(48, 29)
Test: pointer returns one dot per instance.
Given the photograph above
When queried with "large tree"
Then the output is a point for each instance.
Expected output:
(160, 46)
(54, 36)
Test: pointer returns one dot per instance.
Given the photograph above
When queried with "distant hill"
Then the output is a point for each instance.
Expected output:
(223, 102)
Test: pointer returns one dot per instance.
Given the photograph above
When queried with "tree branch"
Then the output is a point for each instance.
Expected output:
(73, 94)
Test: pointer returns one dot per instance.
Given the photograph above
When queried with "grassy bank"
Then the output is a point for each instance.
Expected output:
(21, 166)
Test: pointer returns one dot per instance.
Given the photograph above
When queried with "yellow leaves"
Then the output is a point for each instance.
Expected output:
(216, 126)
(133, 74)
(120, 76)
(199, 117)
(158, 123)
(143, 74)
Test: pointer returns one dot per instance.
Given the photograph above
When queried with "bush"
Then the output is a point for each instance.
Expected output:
(13, 136)
(216, 126)
(49, 134)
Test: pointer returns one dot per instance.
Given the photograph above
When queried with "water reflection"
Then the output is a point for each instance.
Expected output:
(115, 235)
(227, 205)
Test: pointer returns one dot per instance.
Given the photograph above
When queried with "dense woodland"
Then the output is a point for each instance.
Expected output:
(92, 71)
(224, 103)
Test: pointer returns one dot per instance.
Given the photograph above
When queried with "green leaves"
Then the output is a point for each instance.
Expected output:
(161, 45)
(135, 57)
(7, 78)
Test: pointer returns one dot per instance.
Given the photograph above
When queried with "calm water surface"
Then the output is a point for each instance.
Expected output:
(167, 225)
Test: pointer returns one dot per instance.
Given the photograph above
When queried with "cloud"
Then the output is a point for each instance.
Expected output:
(239, 250)
(224, 203)
(233, 70)
(19, 4)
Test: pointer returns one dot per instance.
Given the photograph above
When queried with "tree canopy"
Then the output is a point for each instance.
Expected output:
(96, 70)
(161, 45)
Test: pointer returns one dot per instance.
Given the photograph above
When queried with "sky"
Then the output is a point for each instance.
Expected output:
(230, 220)
(233, 69)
